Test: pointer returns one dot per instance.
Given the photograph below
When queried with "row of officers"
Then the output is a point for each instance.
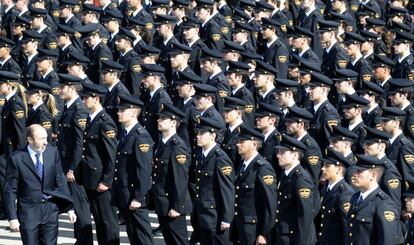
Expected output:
(275, 188)
(145, 38)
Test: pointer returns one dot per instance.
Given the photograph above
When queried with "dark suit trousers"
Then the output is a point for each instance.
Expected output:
(174, 230)
(46, 232)
(104, 215)
(138, 225)
(83, 225)
(207, 236)
(2, 179)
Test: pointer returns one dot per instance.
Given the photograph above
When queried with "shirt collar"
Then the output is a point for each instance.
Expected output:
(4, 61)
(112, 86)
(192, 43)
(93, 115)
(238, 123)
(316, 107)
(205, 152)
(70, 102)
(287, 171)
(128, 129)
(37, 105)
(366, 194)
(330, 47)
(268, 134)
(10, 95)
(165, 140)
(247, 162)
(207, 20)
(331, 186)
(395, 137)
(352, 126)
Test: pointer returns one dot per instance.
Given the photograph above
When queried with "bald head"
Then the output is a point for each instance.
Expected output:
(37, 137)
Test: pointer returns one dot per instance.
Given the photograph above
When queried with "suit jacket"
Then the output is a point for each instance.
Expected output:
(278, 56)
(256, 200)
(335, 206)
(100, 53)
(13, 125)
(72, 123)
(43, 117)
(372, 220)
(321, 124)
(111, 100)
(369, 119)
(229, 142)
(268, 150)
(24, 184)
(220, 82)
(312, 158)
(28, 69)
(214, 202)
(131, 76)
(170, 177)
(133, 167)
(99, 149)
(364, 70)
(12, 66)
(311, 23)
(211, 35)
(299, 204)
(244, 94)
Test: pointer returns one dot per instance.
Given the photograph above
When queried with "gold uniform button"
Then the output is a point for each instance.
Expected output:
(115, 178)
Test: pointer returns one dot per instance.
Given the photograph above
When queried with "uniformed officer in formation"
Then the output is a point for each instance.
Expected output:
(335, 76)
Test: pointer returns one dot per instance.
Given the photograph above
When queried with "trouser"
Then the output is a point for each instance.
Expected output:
(174, 230)
(138, 225)
(104, 214)
(83, 225)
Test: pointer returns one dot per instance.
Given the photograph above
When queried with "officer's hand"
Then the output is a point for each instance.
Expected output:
(70, 177)
(102, 187)
(14, 225)
(173, 214)
(224, 226)
(261, 240)
(134, 205)
(72, 216)
(406, 215)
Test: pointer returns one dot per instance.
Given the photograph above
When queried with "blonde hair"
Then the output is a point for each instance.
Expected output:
(50, 102)
(20, 89)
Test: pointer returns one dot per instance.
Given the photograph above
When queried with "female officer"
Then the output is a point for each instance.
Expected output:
(43, 106)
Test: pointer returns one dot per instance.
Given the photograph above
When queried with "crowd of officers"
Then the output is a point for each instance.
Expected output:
(268, 122)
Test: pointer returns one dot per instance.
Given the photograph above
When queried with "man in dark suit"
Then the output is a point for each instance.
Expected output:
(35, 179)
(215, 176)
(409, 206)
(210, 31)
(30, 44)
(98, 164)
(256, 200)
(72, 124)
(7, 62)
(295, 214)
(172, 159)
(133, 172)
(404, 58)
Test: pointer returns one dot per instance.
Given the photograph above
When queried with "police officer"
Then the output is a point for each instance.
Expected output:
(64, 36)
(324, 113)
(170, 177)
(31, 41)
(286, 91)
(233, 112)
(266, 120)
(375, 144)
(39, 113)
(404, 59)
(7, 62)
(133, 172)
(152, 81)
(214, 203)
(335, 199)
(297, 123)
(255, 206)
(210, 31)
(236, 74)
(401, 149)
(98, 163)
(409, 206)
(399, 94)
(77, 64)
(372, 217)
(264, 83)
(371, 92)
(72, 124)
(111, 72)
(298, 196)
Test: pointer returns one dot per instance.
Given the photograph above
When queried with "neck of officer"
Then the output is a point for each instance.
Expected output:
(131, 122)
(371, 185)
(268, 129)
(396, 132)
(404, 104)
(357, 118)
(96, 107)
(335, 178)
(300, 133)
(168, 133)
(249, 154)
(209, 145)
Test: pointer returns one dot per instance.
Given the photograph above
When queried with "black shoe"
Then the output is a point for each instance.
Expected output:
(3, 216)
(157, 231)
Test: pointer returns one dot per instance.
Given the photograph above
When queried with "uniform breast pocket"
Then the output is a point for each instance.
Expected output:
(364, 220)
(92, 138)
(246, 187)
(207, 174)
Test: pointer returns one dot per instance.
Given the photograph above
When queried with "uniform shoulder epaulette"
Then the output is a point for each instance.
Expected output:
(134, 54)
(221, 77)
(410, 110)
(382, 195)
(141, 130)
(175, 140)
(260, 162)
(405, 141)
(341, 187)
(104, 116)
(409, 61)
(329, 107)
(307, 141)
(298, 171)
(218, 151)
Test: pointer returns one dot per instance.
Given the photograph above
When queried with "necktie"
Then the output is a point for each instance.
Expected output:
(243, 168)
(89, 119)
(328, 189)
(39, 166)
(123, 135)
(360, 199)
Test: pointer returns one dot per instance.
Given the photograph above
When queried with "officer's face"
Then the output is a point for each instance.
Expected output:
(231, 79)
(285, 158)
(336, 5)
(239, 37)
(409, 204)
(329, 172)
(260, 80)
(293, 73)
(29, 47)
(202, 14)
(206, 66)
(74, 70)
(368, 97)
(361, 178)
(297, 43)
(396, 98)
(245, 146)
(38, 141)
(4, 52)
(366, 47)
(338, 145)
(325, 36)
(306, 3)
(121, 44)
(126, 115)
(89, 102)
(389, 125)
(201, 103)
(5, 88)
(351, 49)
(177, 60)
(178, 12)
(164, 124)
(380, 72)
(111, 25)
(37, 22)
(42, 65)
(18, 30)
(204, 138)
(371, 149)
(350, 113)
(64, 12)
(190, 33)
(32, 98)
(87, 18)
(64, 92)
(292, 128)
(230, 116)
(315, 93)
(399, 48)
(282, 98)
(267, 33)
(183, 90)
